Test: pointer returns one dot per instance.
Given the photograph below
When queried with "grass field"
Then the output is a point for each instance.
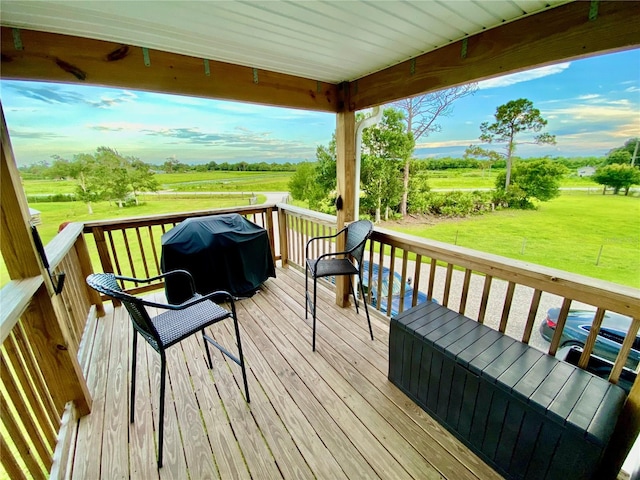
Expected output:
(589, 234)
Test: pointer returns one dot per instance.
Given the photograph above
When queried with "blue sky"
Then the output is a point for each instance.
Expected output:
(592, 105)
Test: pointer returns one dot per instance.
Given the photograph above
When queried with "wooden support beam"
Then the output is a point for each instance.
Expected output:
(41, 319)
(557, 34)
(18, 247)
(346, 183)
(64, 58)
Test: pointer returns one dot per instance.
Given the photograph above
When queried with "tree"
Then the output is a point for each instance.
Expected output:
(316, 182)
(617, 176)
(140, 177)
(622, 157)
(421, 113)
(512, 119)
(387, 146)
(85, 170)
(632, 147)
(539, 179)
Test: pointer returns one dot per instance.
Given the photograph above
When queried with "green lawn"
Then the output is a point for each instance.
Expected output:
(589, 234)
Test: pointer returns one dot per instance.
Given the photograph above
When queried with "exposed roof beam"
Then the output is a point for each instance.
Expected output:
(561, 33)
(62, 58)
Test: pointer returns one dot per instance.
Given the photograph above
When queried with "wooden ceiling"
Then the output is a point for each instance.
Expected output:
(319, 55)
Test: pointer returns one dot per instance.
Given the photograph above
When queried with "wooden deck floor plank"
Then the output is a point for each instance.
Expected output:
(142, 450)
(318, 458)
(343, 402)
(345, 322)
(378, 424)
(115, 434)
(336, 440)
(288, 457)
(89, 437)
(255, 450)
(197, 450)
(228, 456)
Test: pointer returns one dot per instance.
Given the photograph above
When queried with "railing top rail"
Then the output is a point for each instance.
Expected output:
(612, 296)
(60, 245)
(118, 223)
(321, 218)
(15, 297)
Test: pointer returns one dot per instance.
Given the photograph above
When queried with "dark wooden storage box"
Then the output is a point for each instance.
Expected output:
(525, 413)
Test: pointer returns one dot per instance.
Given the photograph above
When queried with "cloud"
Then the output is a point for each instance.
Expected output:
(48, 94)
(57, 95)
(590, 96)
(34, 134)
(520, 77)
(108, 102)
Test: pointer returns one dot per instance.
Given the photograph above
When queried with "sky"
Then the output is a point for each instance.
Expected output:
(591, 105)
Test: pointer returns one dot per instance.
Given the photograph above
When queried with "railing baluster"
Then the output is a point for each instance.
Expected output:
(39, 385)
(128, 250)
(42, 448)
(562, 319)
(20, 442)
(432, 278)
(417, 269)
(9, 461)
(403, 276)
(465, 291)
(629, 339)
(447, 285)
(392, 261)
(142, 254)
(485, 298)
(508, 300)
(379, 279)
(533, 310)
(154, 249)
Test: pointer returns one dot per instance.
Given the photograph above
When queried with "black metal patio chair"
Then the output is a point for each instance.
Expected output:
(338, 264)
(170, 327)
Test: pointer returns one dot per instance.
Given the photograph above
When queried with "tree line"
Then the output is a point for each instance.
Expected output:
(395, 183)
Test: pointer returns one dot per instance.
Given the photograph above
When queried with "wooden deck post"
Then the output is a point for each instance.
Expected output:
(346, 181)
(57, 360)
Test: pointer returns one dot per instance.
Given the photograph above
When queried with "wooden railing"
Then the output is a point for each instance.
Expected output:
(509, 295)
(133, 246)
(500, 292)
(41, 338)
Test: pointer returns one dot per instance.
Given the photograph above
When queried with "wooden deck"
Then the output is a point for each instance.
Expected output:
(327, 414)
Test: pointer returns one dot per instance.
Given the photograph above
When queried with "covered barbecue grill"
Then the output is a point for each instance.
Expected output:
(222, 252)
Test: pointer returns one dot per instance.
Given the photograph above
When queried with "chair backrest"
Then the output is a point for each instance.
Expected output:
(357, 235)
(107, 283)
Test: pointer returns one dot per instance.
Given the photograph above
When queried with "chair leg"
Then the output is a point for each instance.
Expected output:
(353, 293)
(306, 291)
(241, 357)
(315, 285)
(133, 376)
(366, 309)
(163, 372)
(206, 347)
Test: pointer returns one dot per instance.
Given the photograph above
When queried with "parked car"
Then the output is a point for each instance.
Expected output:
(576, 330)
(397, 288)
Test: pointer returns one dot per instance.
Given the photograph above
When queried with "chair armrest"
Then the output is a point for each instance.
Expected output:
(193, 301)
(306, 249)
(160, 277)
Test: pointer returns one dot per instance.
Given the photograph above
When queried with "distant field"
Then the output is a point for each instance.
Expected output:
(187, 182)
(278, 182)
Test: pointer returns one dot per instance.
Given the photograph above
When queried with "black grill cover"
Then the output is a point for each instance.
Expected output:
(222, 252)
